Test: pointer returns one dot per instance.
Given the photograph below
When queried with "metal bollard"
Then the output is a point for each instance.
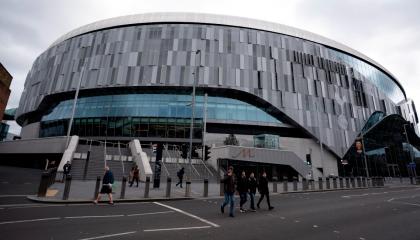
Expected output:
(327, 183)
(67, 187)
(353, 185)
(274, 184)
(304, 184)
(43, 184)
(168, 187)
(320, 184)
(295, 183)
(359, 182)
(222, 188)
(285, 184)
(98, 184)
(363, 182)
(188, 189)
(347, 182)
(312, 184)
(335, 182)
(147, 187)
(340, 180)
(123, 185)
(206, 188)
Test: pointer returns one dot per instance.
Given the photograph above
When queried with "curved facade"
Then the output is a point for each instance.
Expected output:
(260, 77)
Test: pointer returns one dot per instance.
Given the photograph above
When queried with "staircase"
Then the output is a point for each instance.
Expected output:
(96, 163)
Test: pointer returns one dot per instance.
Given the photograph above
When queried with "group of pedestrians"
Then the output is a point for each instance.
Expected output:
(245, 186)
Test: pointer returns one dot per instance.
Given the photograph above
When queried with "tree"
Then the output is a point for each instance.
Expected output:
(231, 140)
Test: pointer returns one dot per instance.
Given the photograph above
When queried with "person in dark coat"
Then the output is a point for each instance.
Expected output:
(229, 189)
(180, 175)
(263, 189)
(243, 190)
(136, 176)
(252, 184)
(66, 170)
(107, 182)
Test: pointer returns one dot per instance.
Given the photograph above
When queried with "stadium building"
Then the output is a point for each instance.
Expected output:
(294, 102)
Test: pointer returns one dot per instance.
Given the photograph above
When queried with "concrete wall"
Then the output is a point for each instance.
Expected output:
(30, 131)
(35, 146)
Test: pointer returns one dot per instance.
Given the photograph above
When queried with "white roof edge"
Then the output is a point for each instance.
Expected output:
(205, 18)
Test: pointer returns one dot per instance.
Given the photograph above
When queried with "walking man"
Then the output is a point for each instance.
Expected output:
(66, 170)
(107, 182)
(229, 189)
(243, 191)
(180, 175)
(252, 184)
(263, 189)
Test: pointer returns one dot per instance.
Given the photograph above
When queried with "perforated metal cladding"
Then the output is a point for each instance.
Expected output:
(290, 73)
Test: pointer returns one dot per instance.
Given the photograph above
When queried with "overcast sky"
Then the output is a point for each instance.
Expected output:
(387, 31)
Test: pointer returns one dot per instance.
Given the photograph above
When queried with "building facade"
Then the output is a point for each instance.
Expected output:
(135, 75)
(5, 81)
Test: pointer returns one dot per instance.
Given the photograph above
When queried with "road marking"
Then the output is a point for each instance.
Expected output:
(335, 231)
(315, 226)
(175, 229)
(110, 235)
(30, 220)
(188, 214)
(151, 213)
(102, 216)
(2, 196)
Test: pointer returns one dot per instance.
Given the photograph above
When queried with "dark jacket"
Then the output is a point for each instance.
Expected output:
(67, 168)
(108, 178)
(252, 184)
(180, 173)
(229, 183)
(263, 185)
(242, 185)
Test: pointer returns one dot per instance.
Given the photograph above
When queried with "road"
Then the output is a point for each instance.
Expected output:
(386, 213)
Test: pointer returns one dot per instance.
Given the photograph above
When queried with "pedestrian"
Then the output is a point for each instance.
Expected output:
(252, 184)
(263, 189)
(243, 190)
(135, 176)
(131, 176)
(107, 182)
(66, 170)
(180, 175)
(229, 189)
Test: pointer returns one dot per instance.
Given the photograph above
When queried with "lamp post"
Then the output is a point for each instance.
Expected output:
(193, 115)
(76, 95)
(413, 171)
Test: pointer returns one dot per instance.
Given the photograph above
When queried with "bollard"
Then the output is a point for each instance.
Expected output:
(295, 183)
(368, 182)
(98, 183)
(363, 182)
(188, 189)
(335, 182)
(347, 182)
(411, 180)
(327, 183)
(353, 185)
(147, 187)
(285, 184)
(359, 182)
(304, 184)
(168, 187)
(123, 185)
(320, 185)
(206, 188)
(340, 180)
(381, 181)
(67, 187)
(43, 184)
(274, 184)
(312, 184)
(222, 188)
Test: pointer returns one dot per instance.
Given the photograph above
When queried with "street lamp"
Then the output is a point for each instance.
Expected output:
(197, 53)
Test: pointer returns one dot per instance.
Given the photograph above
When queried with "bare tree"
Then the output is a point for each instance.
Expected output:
(231, 140)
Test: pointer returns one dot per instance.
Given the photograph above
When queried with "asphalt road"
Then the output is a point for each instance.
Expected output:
(387, 213)
(16, 183)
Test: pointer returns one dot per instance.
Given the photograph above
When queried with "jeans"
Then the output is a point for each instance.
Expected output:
(229, 199)
(243, 198)
(252, 197)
